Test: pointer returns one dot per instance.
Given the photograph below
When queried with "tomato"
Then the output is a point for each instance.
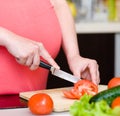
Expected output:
(69, 94)
(80, 88)
(114, 82)
(76, 93)
(116, 102)
(40, 103)
(86, 86)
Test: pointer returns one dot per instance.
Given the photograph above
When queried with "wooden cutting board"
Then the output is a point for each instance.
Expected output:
(60, 102)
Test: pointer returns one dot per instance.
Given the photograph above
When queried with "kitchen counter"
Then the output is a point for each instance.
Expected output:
(26, 112)
(13, 105)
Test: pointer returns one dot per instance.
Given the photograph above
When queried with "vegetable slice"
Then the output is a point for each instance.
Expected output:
(86, 86)
(80, 88)
(68, 94)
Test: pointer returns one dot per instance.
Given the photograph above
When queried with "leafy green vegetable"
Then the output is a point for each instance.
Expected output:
(100, 108)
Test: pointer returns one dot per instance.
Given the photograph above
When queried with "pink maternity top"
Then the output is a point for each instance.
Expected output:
(36, 20)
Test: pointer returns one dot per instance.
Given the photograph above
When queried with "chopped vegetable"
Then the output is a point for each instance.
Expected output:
(80, 88)
(100, 108)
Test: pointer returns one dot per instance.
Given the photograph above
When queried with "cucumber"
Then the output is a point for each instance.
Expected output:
(108, 95)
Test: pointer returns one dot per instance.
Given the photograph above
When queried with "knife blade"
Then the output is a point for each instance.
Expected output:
(59, 73)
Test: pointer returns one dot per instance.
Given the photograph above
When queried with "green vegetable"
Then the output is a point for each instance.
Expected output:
(108, 95)
(84, 108)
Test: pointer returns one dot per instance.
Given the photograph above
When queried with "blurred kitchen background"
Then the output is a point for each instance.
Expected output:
(95, 10)
(98, 31)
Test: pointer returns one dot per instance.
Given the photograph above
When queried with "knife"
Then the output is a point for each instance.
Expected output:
(59, 73)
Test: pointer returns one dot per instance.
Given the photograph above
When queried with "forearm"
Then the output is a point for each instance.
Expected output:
(66, 21)
(4, 36)
(81, 67)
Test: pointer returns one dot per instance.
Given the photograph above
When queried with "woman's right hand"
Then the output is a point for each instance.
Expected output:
(26, 52)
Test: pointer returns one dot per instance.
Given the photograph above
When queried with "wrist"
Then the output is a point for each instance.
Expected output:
(73, 56)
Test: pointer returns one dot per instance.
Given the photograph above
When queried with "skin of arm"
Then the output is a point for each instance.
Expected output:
(81, 67)
(28, 55)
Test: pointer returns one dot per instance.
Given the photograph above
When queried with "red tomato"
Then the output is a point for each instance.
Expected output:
(76, 93)
(80, 88)
(40, 103)
(114, 82)
(86, 86)
(69, 94)
(115, 102)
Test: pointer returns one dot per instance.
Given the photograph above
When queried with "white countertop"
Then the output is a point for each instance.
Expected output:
(26, 112)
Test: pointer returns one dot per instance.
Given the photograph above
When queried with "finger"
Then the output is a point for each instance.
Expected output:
(21, 60)
(98, 79)
(94, 73)
(36, 61)
(97, 75)
(86, 75)
(48, 58)
(29, 60)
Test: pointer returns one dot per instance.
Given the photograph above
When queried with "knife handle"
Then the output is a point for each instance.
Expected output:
(45, 65)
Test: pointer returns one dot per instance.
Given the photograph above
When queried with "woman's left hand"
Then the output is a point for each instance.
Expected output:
(85, 68)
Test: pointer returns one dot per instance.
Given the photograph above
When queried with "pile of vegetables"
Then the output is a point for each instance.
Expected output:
(84, 108)
(104, 103)
(89, 102)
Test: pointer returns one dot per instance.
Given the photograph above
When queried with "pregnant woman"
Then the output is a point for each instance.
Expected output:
(31, 30)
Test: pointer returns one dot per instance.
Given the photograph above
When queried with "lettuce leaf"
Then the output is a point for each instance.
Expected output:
(84, 108)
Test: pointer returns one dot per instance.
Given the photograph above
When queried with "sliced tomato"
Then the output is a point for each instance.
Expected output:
(76, 93)
(68, 94)
(86, 86)
(80, 88)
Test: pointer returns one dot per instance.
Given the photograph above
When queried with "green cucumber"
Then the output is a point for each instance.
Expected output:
(108, 95)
